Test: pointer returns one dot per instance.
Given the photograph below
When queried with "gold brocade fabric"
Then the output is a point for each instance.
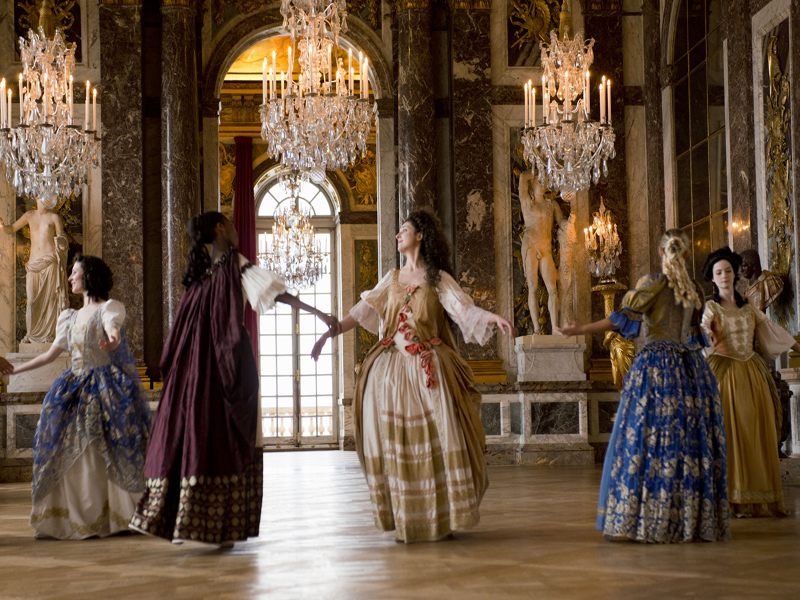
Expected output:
(765, 290)
(421, 448)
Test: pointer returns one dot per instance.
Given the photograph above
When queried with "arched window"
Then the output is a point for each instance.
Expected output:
(698, 109)
(298, 405)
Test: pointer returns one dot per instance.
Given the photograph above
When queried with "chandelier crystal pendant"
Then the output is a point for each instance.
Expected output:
(294, 252)
(603, 246)
(319, 121)
(47, 156)
(568, 148)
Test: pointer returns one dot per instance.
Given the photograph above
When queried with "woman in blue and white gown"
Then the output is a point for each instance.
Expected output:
(92, 434)
(665, 473)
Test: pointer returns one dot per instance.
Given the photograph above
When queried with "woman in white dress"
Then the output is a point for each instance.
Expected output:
(92, 435)
(417, 413)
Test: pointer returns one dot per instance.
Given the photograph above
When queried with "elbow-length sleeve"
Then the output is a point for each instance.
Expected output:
(628, 319)
(260, 287)
(371, 308)
(772, 338)
(113, 315)
(62, 329)
(707, 327)
(472, 320)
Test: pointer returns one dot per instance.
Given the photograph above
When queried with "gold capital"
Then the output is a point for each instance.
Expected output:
(413, 5)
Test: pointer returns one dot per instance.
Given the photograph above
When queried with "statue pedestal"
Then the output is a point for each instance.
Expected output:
(38, 380)
(550, 358)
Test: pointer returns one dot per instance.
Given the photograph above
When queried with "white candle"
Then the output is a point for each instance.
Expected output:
(94, 109)
(567, 97)
(8, 109)
(352, 76)
(602, 104)
(350, 71)
(264, 82)
(533, 106)
(608, 91)
(366, 78)
(330, 80)
(21, 107)
(274, 73)
(283, 76)
(69, 99)
(525, 87)
(86, 109)
(587, 94)
(2, 104)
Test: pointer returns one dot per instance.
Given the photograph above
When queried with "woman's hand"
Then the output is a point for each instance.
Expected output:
(317, 349)
(113, 341)
(332, 323)
(571, 329)
(504, 325)
(6, 368)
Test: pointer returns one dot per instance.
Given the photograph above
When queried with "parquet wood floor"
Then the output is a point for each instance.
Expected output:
(536, 540)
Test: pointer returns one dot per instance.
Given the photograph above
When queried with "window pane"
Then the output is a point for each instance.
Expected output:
(680, 45)
(283, 344)
(323, 303)
(307, 365)
(717, 173)
(698, 104)
(268, 366)
(324, 384)
(713, 16)
(680, 108)
(269, 387)
(266, 344)
(285, 386)
(267, 325)
(700, 202)
(690, 261)
(267, 206)
(321, 206)
(284, 326)
(716, 93)
(697, 55)
(683, 189)
(719, 230)
(308, 385)
(702, 248)
(307, 322)
(324, 366)
(307, 344)
(696, 22)
(325, 405)
(308, 404)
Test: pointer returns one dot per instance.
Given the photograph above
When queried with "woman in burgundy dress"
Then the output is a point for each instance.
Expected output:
(203, 472)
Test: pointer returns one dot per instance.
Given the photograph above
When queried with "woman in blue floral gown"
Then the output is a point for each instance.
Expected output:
(92, 435)
(665, 477)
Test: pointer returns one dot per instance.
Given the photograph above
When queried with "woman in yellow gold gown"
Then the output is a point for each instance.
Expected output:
(749, 398)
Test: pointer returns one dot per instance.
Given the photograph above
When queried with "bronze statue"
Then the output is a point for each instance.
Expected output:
(764, 286)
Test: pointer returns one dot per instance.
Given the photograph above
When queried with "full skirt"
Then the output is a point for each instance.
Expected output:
(416, 457)
(749, 401)
(664, 477)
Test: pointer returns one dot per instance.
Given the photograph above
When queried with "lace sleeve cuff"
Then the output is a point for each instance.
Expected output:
(366, 316)
(625, 322)
(261, 287)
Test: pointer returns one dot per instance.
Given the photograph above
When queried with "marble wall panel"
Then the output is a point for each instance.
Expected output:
(415, 112)
(122, 178)
(388, 209)
(516, 418)
(490, 418)
(553, 418)
(180, 191)
(8, 292)
(606, 413)
(472, 165)
(638, 240)
(25, 429)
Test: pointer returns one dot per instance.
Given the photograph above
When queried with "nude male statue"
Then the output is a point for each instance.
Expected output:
(46, 280)
(539, 213)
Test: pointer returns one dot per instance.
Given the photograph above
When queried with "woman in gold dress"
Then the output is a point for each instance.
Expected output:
(749, 398)
(417, 413)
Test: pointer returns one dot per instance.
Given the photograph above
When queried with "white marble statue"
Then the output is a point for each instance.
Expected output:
(566, 269)
(539, 213)
(46, 280)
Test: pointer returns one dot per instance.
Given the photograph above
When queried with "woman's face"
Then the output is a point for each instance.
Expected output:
(723, 275)
(228, 232)
(76, 279)
(407, 237)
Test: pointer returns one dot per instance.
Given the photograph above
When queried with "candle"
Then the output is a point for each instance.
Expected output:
(69, 99)
(533, 106)
(330, 80)
(602, 104)
(2, 104)
(587, 95)
(283, 77)
(545, 101)
(608, 91)
(21, 107)
(94, 109)
(86, 109)
(274, 73)
(350, 71)
(264, 81)
(365, 77)
(567, 96)
(526, 104)
(8, 109)
(352, 75)
(361, 74)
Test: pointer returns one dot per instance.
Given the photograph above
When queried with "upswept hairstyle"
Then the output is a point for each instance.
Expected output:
(674, 244)
(202, 230)
(97, 277)
(434, 249)
(735, 261)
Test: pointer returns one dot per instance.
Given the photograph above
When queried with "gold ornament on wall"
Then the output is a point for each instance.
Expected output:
(533, 19)
(366, 279)
(781, 223)
(47, 13)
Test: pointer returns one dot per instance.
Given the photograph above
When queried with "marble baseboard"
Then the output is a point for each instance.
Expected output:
(347, 443)
(549, 455)
(16, 470)
(550, 358)
(790, 470)
(501, 454)
(38, 380)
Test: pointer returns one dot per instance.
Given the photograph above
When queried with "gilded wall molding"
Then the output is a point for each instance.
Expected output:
(471, 4)
(121, 2)
(181, 3)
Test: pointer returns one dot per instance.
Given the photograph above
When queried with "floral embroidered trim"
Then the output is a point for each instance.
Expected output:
(422, 347)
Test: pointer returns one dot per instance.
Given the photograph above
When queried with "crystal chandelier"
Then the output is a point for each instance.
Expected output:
(603, 246)
(319, 121)
(567, 146)
(46, 155)
(294, 252)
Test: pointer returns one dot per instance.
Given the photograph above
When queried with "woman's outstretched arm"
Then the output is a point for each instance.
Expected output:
(295, 302)
(578, 329)
(345, 325)
(39, 361)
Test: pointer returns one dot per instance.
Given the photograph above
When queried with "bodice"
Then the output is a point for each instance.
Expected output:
(84, 342)
(732, 330)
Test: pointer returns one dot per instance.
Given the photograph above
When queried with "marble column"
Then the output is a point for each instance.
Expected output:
(211, 109)
(737, 33)
(603, 22)
(415, 114)
(472, 160)
(794, 51)
(122, 180)
(388, 212)
(180, 194)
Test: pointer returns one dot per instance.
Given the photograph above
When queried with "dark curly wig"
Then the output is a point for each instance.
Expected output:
(97, 277)
(435, 250)
(202, 230)
(735, 261)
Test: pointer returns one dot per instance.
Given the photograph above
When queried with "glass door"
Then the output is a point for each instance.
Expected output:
(297, 394)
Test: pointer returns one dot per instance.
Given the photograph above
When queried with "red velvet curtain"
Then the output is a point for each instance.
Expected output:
(244, 220)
